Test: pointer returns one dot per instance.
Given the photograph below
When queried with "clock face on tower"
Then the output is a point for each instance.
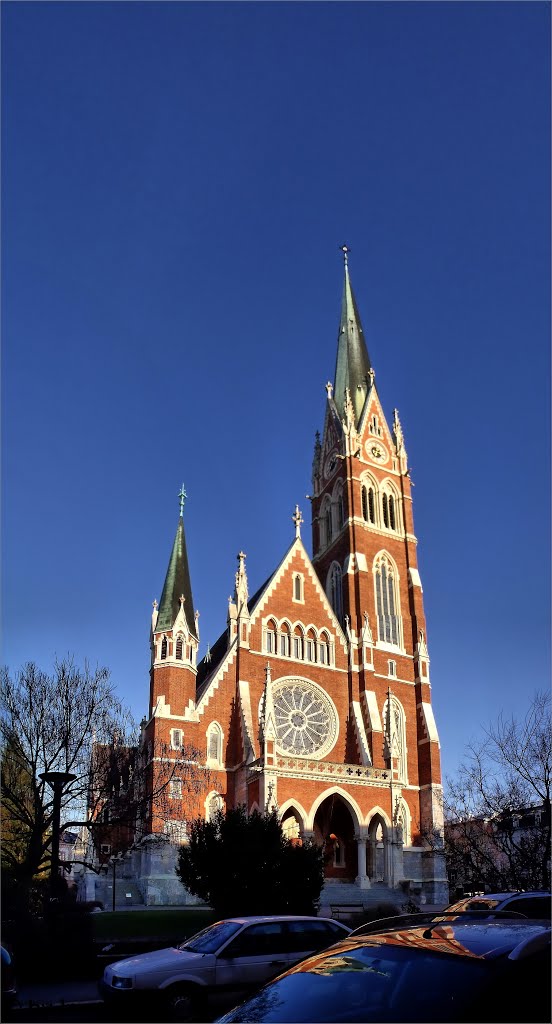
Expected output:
(330, 464)
(376, 451)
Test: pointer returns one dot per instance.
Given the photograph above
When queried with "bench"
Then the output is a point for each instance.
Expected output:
(340, 910)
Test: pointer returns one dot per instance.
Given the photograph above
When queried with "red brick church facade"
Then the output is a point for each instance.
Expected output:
(316, 699)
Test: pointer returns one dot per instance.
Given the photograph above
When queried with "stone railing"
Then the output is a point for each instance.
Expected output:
(308, 767)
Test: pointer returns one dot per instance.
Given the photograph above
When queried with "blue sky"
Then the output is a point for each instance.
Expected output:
(176, 181)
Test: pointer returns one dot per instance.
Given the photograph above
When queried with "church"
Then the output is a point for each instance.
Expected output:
(316, 698)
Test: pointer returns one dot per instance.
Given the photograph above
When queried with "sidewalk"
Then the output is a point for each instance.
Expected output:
(56, 993)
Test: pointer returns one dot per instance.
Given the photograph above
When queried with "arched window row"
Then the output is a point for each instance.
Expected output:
(331, 518)
(380, 505)
(300, 643)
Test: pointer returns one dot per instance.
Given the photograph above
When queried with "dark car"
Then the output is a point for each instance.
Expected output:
(9, 988)
(233, 955)
(536, 904)
(464, 970)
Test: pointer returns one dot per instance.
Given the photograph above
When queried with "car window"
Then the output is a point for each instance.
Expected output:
(532, 906)
(257, 940)
(211, 938)
(310, 935)
(372, 983)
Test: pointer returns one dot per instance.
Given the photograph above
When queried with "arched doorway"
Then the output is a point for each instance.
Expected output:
(334, 829)
(377, 850)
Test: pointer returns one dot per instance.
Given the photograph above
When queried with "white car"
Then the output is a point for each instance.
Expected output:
(231, 955)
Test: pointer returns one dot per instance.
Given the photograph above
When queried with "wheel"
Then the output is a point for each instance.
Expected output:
(183, 1002)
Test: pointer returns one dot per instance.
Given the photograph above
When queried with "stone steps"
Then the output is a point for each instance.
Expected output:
(348, 894)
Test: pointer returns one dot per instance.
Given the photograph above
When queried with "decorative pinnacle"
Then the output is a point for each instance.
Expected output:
(297, 519)
(182, 495)
(345, 250)
(329, 389)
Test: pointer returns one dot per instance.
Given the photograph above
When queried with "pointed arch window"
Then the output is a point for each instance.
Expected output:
(285, 642)
(334, 590)
(179, 649)
(214, 805)
(298, 644)
(387, 601)
(164, 647)
(368, 503)
(214, 744)
(310, 647)
(390, 510)
(395, 729)
(270, 637)
(325, 523)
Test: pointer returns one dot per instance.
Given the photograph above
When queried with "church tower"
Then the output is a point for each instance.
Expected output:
(364, 551)
(174, 637)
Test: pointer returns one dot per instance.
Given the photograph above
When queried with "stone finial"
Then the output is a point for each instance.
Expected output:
(329, 389)
(297, 519)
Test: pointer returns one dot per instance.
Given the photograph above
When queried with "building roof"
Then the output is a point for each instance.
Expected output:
(353, 366)
(177, 585)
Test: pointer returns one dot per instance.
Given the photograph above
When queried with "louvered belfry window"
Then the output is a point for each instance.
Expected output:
(386, 603)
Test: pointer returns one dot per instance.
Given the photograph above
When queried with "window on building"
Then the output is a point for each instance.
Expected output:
(164, 648)
(298, 645)
(311, 648)
(298, 587)
(368, 503)
(335, 590)
(214, 805)
(176, 739)
(270, 638)
(284, 643)
(214, 743)
(324, 650)
(325, 523)
(105, 849)
(387, 604)
(179, 649)
(175, 789)
(340, 509)
(176, 830)
(392, 668)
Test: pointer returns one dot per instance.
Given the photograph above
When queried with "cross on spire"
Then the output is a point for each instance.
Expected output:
(182, 495)
(345, 250)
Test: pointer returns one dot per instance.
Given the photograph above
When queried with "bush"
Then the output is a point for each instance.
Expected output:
(242, 864)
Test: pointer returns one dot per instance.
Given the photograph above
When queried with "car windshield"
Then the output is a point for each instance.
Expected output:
(211, 938)
(370, 983)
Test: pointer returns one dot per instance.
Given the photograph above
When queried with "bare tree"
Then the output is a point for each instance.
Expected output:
(72, 721)
(497, 810)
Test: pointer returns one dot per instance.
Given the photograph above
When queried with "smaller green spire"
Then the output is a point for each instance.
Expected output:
(177, 588)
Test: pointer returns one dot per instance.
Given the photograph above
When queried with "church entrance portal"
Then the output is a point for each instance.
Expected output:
(334, 829)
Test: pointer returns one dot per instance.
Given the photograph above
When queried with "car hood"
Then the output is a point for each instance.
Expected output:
(171, 957)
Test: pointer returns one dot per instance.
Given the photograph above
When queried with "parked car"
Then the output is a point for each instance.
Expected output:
(535, 904)
(467, 970)
(234, 954)
(9, 987)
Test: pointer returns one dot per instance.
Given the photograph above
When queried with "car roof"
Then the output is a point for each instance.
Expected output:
(261, 918)
(482, 938)
(508, 895)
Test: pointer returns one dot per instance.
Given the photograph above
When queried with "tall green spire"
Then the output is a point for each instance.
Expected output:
(353, 369)
(177, 582)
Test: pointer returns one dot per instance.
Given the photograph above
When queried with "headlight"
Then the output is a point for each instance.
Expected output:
(121, 982)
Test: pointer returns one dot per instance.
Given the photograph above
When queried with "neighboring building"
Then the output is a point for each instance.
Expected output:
(316, 698)
(510, 850)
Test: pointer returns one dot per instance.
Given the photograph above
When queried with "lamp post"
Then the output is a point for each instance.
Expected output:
(58, 781)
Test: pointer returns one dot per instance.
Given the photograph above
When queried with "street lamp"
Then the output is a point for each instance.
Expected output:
(58, 781)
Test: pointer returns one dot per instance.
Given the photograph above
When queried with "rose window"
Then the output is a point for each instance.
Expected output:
(306, 720)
